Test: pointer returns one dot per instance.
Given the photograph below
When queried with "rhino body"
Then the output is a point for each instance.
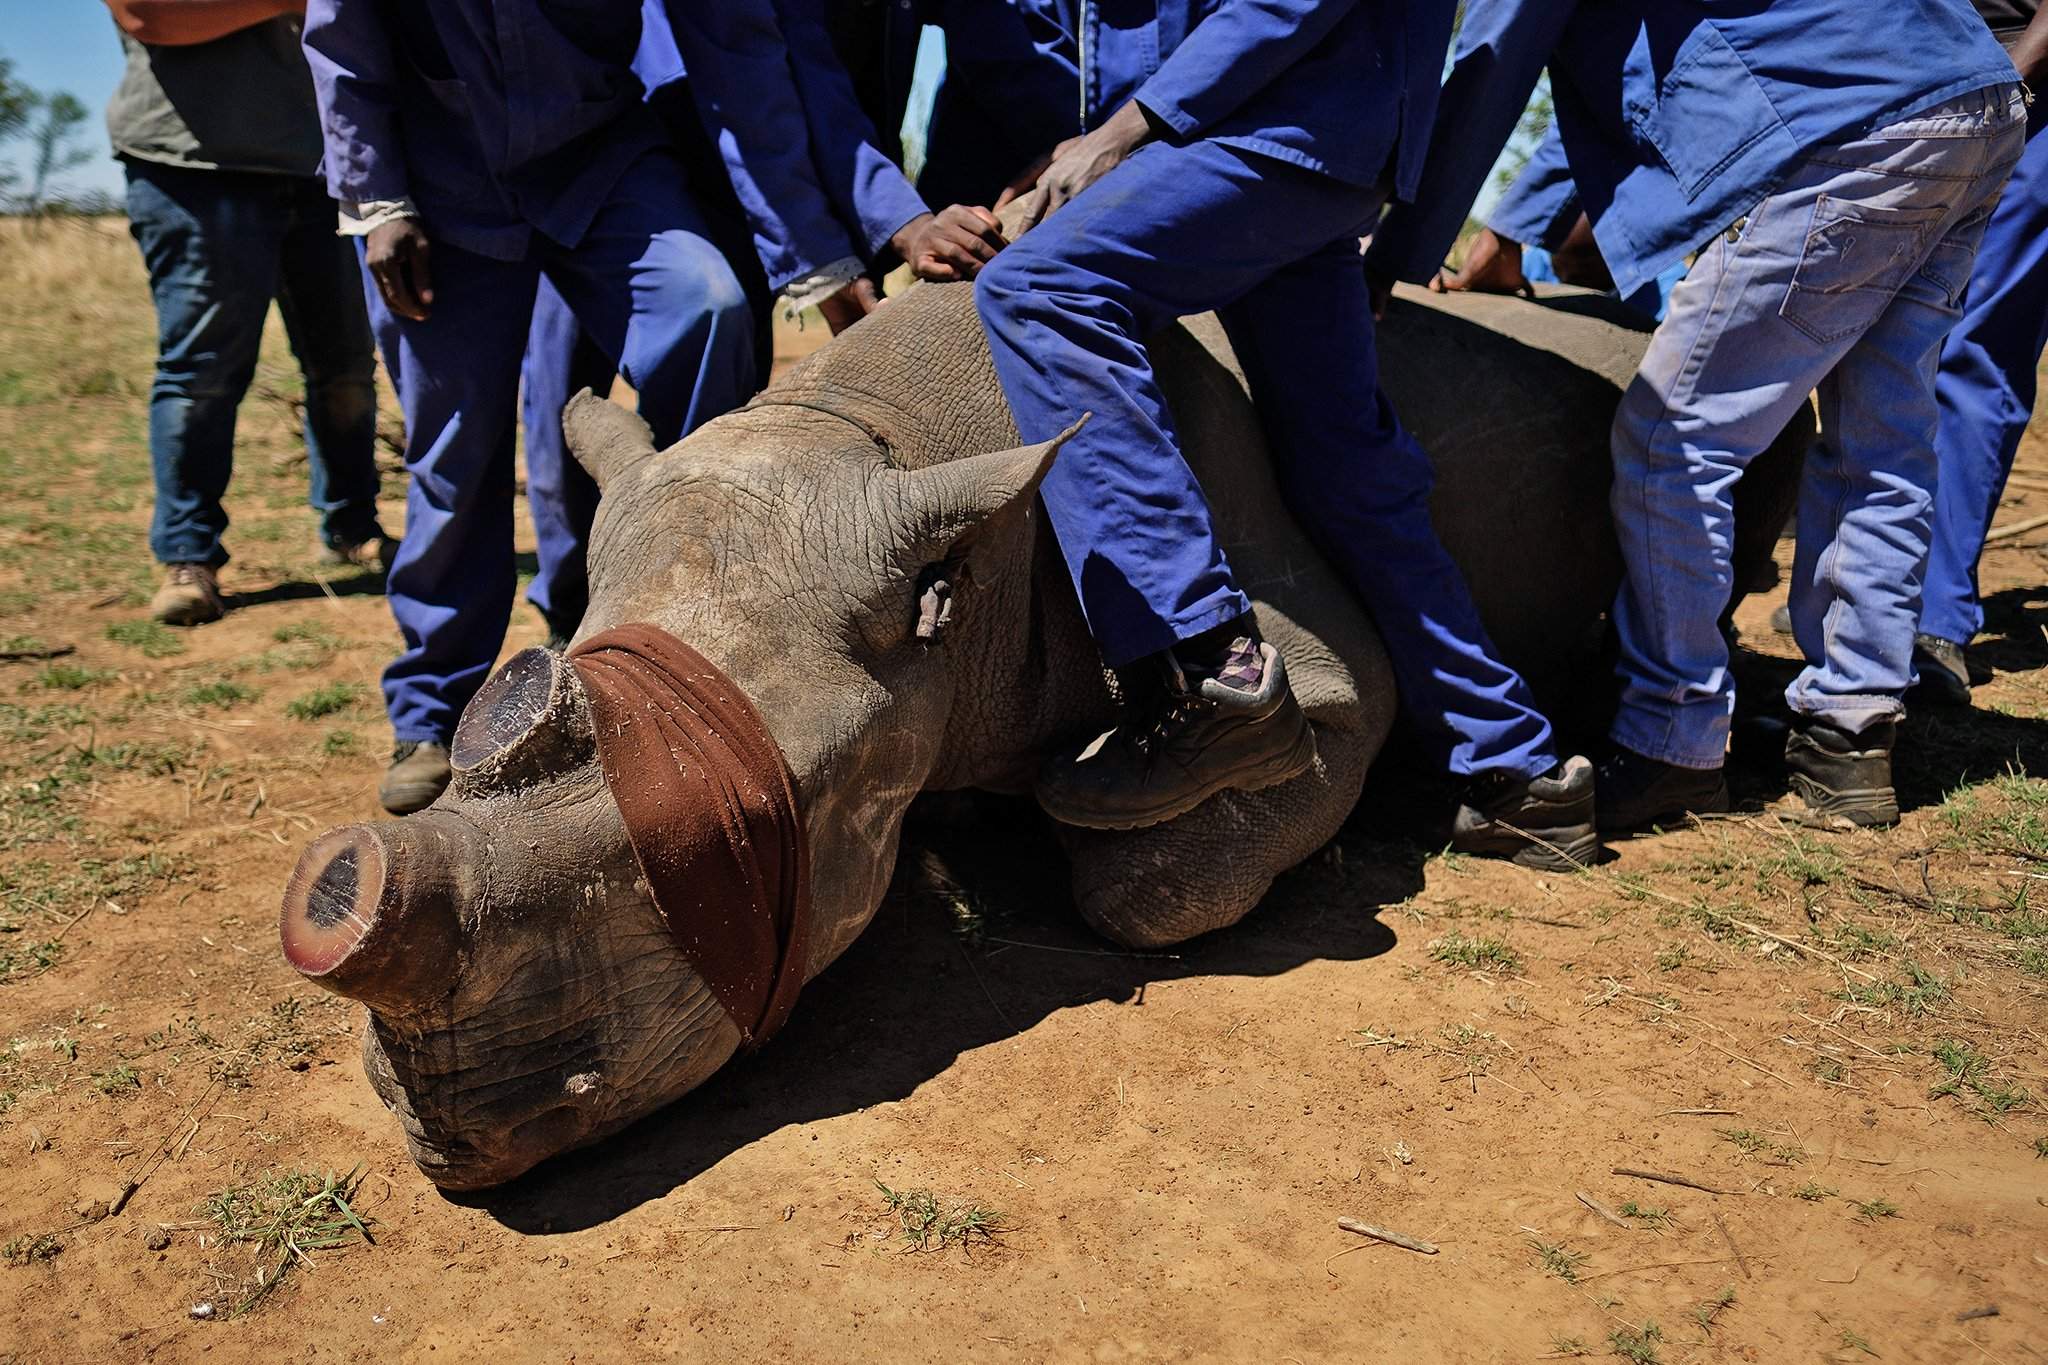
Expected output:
(525, 995)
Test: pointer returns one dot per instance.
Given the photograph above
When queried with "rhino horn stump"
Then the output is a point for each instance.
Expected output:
(372, 911)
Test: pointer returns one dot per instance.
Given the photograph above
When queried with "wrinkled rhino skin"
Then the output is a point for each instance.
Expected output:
(524, 994)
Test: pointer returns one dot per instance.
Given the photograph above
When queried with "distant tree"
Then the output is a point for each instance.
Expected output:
(17, 102)
(54, 137)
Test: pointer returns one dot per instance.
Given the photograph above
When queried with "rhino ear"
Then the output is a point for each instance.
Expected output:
(607, 439)
(951, 501)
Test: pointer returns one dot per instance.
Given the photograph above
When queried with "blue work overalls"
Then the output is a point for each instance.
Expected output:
(1989, 373)
(1539, 210)
(516, 129)
(1289, 123)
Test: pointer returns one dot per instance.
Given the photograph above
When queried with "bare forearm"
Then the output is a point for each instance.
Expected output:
(179, 23)
(2030, 53)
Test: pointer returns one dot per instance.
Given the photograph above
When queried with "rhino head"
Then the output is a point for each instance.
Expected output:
(525, 994)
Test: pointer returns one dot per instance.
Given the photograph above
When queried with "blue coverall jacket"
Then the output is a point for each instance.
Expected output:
(494, 150)
(1678, 115)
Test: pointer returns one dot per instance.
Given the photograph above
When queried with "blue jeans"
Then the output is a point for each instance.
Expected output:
(1178, 230)
(1986, 389)
(655, 295)
(1844, 280)
(219, 245)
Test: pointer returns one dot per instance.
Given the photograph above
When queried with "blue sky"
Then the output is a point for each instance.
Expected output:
(68, 45)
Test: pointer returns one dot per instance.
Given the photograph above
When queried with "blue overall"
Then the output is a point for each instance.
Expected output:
(517, 129)
(1279, 162)
(1986, 390)
(1817, 129)
(1539, 210)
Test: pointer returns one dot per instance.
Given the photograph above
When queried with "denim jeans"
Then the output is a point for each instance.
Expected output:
(1843, 281)
(219, 245)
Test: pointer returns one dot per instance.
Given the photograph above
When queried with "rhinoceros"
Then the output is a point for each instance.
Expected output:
(525, 993)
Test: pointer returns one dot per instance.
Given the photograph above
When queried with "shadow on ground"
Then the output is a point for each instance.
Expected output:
(977, 942)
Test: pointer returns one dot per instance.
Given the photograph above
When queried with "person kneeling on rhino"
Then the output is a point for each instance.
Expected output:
(1241, 163)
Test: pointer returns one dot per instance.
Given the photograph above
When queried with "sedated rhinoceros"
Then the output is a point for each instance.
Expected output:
(526, 994)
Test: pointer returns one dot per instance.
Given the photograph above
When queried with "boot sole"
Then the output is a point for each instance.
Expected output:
(1615, 827)
(1571, 849)
(1862, 807)
(1301, 756)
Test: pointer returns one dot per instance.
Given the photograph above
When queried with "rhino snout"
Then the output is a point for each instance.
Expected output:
(372, 912)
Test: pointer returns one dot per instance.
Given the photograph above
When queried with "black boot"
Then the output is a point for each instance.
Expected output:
(1633, 793)
(1541, 822)
(1844, 778)
(1942, 672)
(1236, 729)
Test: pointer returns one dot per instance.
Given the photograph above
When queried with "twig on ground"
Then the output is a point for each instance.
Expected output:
(1744, 1060)
(37, 652)
(1729, 1238)
(2017, 528)
(1379, 1234)
(1664, 1178)
(1701, 1113)
(1797, 946)
(1661, 1265)
(1609, 1214)
(1989, 1310)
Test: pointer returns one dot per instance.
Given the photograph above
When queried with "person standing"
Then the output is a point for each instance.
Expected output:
(1988, 381)
(215, 125)
(478, 147)
(1233, 159)
(1834, 176)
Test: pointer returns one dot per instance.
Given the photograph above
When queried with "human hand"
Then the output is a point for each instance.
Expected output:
(396, 254)
(953, 244)
(1080, 162)
(858, 299)
(1493, 265)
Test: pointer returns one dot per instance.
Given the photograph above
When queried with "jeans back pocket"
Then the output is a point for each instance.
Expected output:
(1856, 259)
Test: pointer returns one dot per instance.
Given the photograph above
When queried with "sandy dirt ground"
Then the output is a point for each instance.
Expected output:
(987, 1133)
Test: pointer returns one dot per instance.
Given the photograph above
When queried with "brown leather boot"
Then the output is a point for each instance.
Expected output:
(190, 596)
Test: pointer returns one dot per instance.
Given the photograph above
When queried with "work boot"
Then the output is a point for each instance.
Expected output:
(1844, 778)
(1541, 822)
(1633, 792)
(417, 776)
(190, 596)
(1238, 730)
(1942, 672)
(375, 553)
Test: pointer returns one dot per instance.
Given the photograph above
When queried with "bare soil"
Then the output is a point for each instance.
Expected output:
(1097, 1155)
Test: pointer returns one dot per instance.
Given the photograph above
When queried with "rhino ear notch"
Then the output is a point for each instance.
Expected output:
(607, 440)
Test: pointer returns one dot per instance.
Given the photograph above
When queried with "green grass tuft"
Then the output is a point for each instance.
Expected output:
(285, 1215)
(930, 1225)
(323, 701)
(1479, 954)
(1637, 1345)
(1557, 1259)
(221, 693)
(153, 639)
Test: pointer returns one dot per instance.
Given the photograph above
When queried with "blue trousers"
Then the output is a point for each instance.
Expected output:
(560, 360)
(1845, 281)
(219, 245)
(1986, 391)
(1178, 230)
(660, 301)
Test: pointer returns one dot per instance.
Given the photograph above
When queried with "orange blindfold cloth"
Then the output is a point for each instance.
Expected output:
(710, 807)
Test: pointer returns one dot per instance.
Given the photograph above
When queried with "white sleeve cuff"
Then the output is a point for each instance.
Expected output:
(814, 288)
(360, 219)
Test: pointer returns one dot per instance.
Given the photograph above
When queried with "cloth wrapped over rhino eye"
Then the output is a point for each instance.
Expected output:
(710, 808)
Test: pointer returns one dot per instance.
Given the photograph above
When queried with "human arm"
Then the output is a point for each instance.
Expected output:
(355, 85)
(2030, 55)
(744, 87)
(180, 23)
(1233, 54)
(1502, 50)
